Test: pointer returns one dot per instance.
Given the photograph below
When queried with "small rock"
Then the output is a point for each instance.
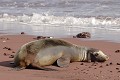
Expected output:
(74, 36)
(9, 48)
(77, 67)
(2, 38)
(5, 54)
(41, 37)
(118, 63)
(111, 63)
(107, 65)
(83, 35)
(22, 32)
(95, 68)
(89, 67)
(81, 64)
(101, 66)
(5, 48)
(117, 51)
(11, 56)
(82, 69)
(50, 37)
(110, 71)
(118, 71)
(13, 52)
(7, 39)
(117, 68)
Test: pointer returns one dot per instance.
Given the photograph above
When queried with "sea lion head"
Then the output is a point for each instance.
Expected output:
(98, 55)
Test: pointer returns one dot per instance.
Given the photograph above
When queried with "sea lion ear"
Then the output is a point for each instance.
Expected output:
(92, 51)
(63, 61)
(92, 55)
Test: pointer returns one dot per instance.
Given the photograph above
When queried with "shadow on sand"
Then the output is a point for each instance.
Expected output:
(7, 64)
(10, 64)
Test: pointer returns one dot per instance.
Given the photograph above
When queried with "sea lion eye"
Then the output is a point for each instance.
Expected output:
(96, 54)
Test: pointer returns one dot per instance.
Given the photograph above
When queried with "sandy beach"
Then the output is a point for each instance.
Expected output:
(22, 21)
(109, 70)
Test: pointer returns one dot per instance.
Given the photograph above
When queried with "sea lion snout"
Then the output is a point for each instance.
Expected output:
(100, 56)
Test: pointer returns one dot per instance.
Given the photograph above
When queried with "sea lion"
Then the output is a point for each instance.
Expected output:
(83, 35)
(41, 53)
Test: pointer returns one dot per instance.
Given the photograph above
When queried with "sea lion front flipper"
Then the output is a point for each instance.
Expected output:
(63, 61)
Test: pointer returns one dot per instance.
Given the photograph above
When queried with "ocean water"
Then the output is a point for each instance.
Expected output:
(61, 18)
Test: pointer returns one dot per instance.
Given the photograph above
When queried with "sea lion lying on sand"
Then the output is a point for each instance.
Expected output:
(41, 53)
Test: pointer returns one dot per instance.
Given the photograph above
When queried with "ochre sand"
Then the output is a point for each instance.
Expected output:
(109, 70)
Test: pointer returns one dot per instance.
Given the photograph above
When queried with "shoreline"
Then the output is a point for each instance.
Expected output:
(64, 36)
(108, 70)
(60, 31)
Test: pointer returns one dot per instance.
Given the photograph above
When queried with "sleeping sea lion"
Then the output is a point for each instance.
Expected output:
(41, 53)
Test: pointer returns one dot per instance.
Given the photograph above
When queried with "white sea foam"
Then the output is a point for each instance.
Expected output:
(61, 17)
(43, 19)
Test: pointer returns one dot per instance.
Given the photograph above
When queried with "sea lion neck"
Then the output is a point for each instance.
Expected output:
(82, 52)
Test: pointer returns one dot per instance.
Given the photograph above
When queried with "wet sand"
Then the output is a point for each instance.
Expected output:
(109, 70)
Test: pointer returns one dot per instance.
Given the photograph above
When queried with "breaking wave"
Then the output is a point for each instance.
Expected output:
(45, 19)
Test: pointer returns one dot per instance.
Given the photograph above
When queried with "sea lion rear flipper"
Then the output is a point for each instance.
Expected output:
(63, 61)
